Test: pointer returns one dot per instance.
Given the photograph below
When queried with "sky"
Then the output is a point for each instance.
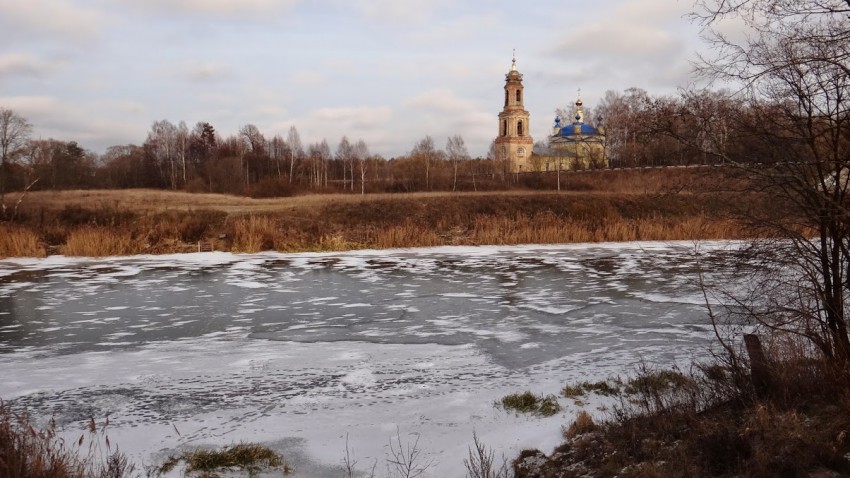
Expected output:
(390, 72)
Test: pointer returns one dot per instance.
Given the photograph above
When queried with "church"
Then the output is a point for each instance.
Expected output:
(572, 146)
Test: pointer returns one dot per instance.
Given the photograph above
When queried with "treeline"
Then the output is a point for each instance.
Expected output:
(641, 130)
(176, 157)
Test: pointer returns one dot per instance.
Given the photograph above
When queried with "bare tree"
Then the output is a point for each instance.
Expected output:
(456, 150)
(277, 151)
(253, 138)
(426, 152)
(345, 155)
(296, 151)
(182, 146)
(361, 153)
(14, 134)
(318, 155)
(163, 141)
(792, 73)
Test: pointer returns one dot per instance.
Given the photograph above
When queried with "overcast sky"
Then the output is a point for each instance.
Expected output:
(99, 72)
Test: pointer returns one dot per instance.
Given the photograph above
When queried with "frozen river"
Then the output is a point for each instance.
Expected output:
(299, 351)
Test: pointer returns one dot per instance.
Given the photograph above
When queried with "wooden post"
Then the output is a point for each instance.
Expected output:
(759, 366)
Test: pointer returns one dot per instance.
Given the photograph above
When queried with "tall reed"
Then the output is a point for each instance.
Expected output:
(19, 242)
(255, 234)
(92, 241)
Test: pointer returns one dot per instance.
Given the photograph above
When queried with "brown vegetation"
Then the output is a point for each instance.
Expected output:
(712, 422)
(603, 206)
(28, 452)
(19, 242)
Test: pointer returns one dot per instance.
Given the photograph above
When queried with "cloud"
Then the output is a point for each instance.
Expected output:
(630, 29)
(199, 72)
(37, 19)
(90, 125)
(457, 30)
(215, 8)
(634, 42)
(441, 113)
(23, 65)
(372, 124)
(308, 78)
(399, 11)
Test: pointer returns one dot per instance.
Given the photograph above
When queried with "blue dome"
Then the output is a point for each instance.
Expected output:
(584, 128)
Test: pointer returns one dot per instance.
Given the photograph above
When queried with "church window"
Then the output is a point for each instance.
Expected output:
(519, 128)
(518, 96)
(505, 128)
(520, 152)
(506, 97)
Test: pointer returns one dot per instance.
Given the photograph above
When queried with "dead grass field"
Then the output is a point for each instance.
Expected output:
(603, 206)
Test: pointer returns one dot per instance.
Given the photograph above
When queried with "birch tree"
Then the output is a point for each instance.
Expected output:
(296, 150)
(456, 150)
(361, 154)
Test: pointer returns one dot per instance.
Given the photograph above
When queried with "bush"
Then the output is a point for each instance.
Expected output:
(527, 402)
(249, 457)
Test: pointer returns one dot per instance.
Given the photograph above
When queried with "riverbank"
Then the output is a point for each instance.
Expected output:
(614, 206)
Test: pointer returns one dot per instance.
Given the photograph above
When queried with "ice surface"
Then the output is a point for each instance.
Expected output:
(301, 350)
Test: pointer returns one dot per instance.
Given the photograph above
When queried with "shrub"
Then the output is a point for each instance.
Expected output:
(607, 388)
(249, 457)
(582, 424)
(527, 402)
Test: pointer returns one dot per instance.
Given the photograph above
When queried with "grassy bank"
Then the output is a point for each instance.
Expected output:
(708, 422)
(614, 206)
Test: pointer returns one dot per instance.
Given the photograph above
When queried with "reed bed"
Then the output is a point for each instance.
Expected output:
(549, 229)
(255, 234)
(327, 223)
(27, 451)
(19, 242)
(89, 241)
(405, 235)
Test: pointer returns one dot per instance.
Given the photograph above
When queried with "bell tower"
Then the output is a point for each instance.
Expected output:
(514, 143)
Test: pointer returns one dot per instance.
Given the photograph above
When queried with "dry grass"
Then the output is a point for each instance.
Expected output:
(405, 235)
(99, 241)
(19, 242)
(29, 452)
(255, 234)
(592, 207)
(705, 423)
(581, 425)
(547, 228)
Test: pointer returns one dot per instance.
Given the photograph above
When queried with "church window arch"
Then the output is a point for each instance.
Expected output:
(504, 127)
(506, 97)
(518, 96)
(519, 129)
(521, 152)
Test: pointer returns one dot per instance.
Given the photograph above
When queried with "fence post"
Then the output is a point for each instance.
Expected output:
(759, 366)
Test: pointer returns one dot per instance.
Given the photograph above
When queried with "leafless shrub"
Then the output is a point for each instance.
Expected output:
(481, 462)
(406, 460)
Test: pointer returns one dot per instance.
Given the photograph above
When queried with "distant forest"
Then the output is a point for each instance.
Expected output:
(641, 130)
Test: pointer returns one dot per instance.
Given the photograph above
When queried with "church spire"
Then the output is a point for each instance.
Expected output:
(514, 143)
